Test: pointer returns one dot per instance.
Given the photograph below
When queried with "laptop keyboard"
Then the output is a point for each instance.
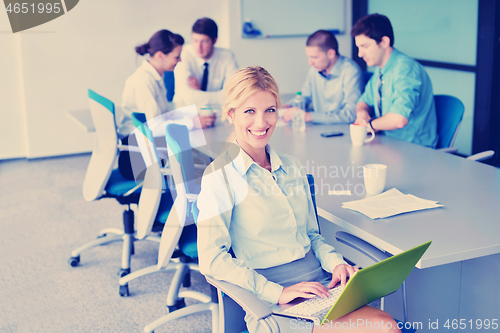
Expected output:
(317, 306)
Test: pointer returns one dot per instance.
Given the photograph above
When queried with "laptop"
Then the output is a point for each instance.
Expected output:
(367, 285)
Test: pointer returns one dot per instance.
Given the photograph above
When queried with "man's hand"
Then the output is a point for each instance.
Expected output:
(193, 83)
(362, 113)
(203, 121)
(342, 273)
(302, 289)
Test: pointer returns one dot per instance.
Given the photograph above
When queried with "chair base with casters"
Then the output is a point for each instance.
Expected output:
(176, 297)
(163, 211)
(109, 235)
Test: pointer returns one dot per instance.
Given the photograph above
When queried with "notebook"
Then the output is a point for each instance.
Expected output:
(367, 285)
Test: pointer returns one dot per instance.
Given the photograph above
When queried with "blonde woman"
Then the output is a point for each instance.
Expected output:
(256, 202)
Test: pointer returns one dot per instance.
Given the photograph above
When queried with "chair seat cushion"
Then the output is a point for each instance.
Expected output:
(187, 242)
(166, 203)
(117, 185)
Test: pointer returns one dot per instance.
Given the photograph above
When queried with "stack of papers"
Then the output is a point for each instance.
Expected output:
(389, 203)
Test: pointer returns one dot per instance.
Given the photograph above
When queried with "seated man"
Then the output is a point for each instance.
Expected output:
(400, 90)
(333, 84)
(204, 69)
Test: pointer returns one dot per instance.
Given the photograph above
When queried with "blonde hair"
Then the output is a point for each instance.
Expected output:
(243, 84)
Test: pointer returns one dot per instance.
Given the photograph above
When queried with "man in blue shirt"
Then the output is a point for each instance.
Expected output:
(333, 84)
(400, 90)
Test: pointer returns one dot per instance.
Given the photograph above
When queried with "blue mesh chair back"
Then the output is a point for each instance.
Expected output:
(177, 137)
(101, 179)
(449, 112)
(169, 80)
(156, 200)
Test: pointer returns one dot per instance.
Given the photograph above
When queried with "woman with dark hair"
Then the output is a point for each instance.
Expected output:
(145, 93)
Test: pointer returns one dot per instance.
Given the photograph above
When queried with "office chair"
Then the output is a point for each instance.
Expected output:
(366, 76)
(449, 112)
(155, 202)
(179, 234)
(169, 80)
(103, 180)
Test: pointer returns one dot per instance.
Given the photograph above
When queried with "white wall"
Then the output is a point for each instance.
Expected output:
(285, 57)
(13, 139)
(49, 68)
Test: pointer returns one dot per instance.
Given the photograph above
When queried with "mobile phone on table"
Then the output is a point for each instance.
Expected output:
(330, 134)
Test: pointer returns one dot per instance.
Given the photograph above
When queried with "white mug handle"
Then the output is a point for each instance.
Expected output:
(369, 128)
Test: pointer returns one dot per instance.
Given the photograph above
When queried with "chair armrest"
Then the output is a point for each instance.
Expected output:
(481, 156)
(133, 189)
(191, 197)
(248, 301)
(129, 148)
(451, 150)
(362, 246)
(166, 171)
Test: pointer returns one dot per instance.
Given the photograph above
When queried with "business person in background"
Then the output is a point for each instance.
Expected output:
(400, 91)
(145, 93)
(205, 69)
(333, 84)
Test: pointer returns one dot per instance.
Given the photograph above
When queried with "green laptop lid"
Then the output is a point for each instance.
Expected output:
(376, 281)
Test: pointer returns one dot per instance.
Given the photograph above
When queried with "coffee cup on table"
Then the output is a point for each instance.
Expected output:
(374, 176)
(359, 133)
(206, 111)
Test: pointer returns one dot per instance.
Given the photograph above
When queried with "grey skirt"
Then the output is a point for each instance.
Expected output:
(305, 269)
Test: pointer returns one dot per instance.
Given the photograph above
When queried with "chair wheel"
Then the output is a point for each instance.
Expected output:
(124, 272)
(124, 291)
(73, 261)
(101, 235)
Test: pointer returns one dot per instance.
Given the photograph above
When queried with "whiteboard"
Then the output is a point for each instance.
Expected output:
(287, 18)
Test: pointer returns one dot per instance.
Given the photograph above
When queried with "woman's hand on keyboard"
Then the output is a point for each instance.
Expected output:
(302, 289)
(342, 273)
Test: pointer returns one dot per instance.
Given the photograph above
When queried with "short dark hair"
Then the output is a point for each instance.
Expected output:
(323, 39)
(206, 26)
(374, 26)
(163, 40)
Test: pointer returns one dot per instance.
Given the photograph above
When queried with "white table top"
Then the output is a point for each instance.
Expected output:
(468, 226)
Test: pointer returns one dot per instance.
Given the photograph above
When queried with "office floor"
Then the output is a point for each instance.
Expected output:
(43, 218)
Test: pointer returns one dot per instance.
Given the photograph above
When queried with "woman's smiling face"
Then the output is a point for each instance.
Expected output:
(254, 121)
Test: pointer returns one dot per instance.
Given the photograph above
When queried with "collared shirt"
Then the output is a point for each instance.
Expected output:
(221, 66)
(407, 91)
(145, 93)
(266, 218)
(333, 97)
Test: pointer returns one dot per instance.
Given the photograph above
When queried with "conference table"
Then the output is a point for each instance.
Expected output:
(457, 278)
(455, 287)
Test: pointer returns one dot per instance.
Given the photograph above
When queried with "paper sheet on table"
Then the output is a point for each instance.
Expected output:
(389, 203)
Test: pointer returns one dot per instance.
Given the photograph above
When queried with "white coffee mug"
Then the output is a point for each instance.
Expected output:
(206, 111)
(374, 176)
(359, 133)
